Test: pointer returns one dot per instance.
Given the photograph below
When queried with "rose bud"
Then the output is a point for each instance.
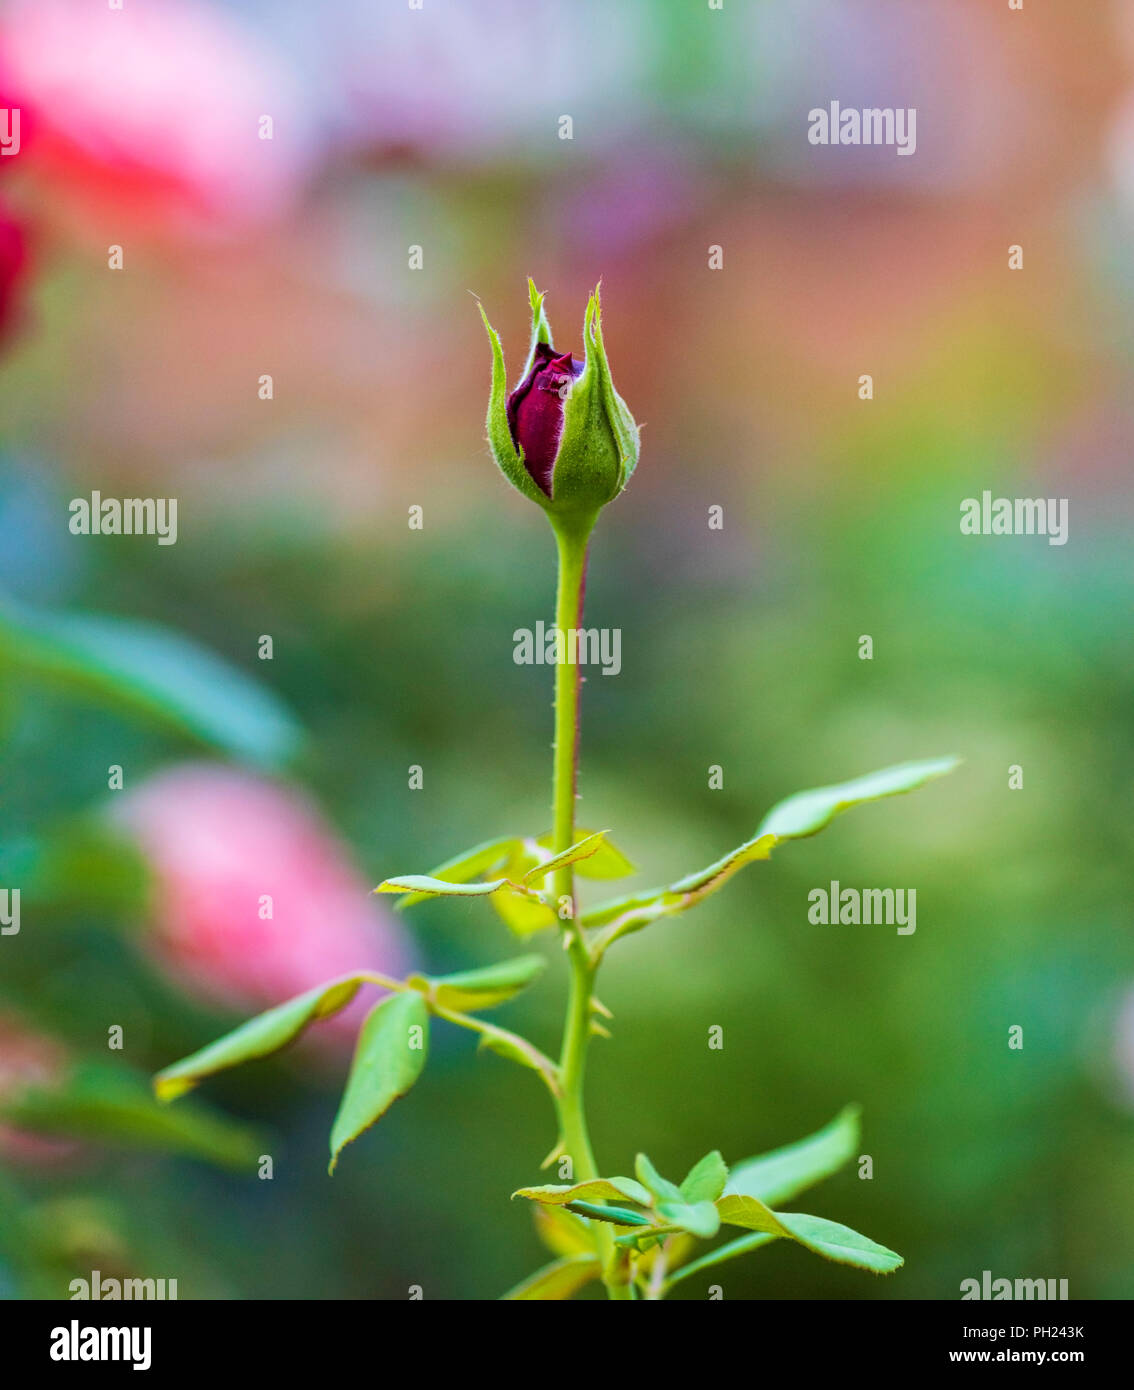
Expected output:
(535, 410)
(564, 437)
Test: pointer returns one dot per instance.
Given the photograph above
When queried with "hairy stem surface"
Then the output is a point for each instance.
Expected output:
(572, 539)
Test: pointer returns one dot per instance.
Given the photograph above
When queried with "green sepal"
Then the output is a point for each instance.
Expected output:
(588, 467)
(541, 328)
(509, 459)
(622, 424)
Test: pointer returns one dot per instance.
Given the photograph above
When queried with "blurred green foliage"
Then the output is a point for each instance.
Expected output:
(740, 649)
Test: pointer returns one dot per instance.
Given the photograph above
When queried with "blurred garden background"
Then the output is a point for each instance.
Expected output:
(290, 257)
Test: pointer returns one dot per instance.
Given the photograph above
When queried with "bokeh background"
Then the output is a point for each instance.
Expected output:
(439, 128)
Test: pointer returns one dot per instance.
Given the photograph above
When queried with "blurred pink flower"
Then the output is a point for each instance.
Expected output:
(29, 1060)
(157, 107)
(255, 898)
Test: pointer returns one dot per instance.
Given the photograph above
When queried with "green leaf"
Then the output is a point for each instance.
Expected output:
(698, 1218)
(557, 1280)
(259, 1037)
(481, 989)
(112, 1105)
(155, 673)
(621, 916)
(581, 849)
(518, 1050)
(827, 1238)
(618, 1216)
(661, 1188)
(462, 868)
(423, 886)
(606, 862)
(523, 915)
(593, 1190)
(729, 1251)
(798, 816)
(388, 1058)
(562, 1231)
(706, 1180)
(808, 812)
(778, 1176)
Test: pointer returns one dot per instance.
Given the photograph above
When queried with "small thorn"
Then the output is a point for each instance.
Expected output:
(557, 1152)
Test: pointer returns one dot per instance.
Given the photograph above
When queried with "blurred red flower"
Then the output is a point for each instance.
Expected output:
(158, 110)
(13, 264)
(255, 899)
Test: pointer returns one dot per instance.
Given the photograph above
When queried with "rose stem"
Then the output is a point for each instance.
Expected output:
(572, 536)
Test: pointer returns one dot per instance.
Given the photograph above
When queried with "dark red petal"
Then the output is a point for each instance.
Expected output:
(535, 412)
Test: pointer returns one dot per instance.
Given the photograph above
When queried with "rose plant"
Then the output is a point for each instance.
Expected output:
(566, 440)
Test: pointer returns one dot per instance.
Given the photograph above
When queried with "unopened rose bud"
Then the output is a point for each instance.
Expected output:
(535, 411)
(564, 436)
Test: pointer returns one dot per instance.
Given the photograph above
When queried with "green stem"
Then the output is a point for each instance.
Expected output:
(572, 537)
